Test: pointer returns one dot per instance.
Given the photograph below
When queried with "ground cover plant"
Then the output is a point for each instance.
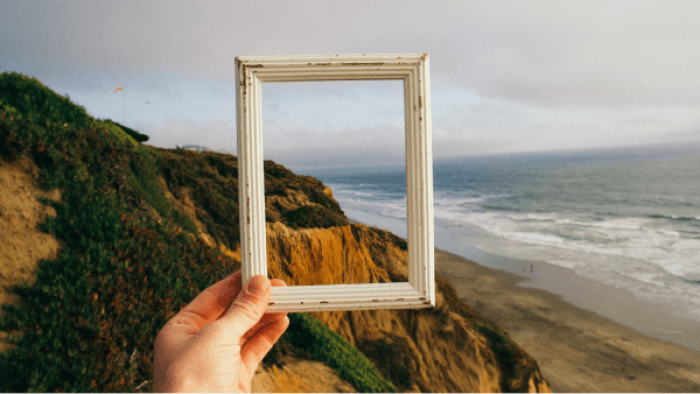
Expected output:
(131, 259)
(337, 353)
(508, 357)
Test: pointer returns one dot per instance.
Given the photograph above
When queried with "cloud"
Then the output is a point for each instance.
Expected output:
(505, 76)
(317, 144)
(546, 52)
(497, 126)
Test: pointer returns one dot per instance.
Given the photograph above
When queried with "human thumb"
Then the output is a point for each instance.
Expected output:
(249, 307)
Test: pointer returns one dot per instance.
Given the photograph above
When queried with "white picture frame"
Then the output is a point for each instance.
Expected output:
(413, 70)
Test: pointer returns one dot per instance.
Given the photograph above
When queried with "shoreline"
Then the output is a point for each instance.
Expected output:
(577, 350)
(586, 336)
(606, 300)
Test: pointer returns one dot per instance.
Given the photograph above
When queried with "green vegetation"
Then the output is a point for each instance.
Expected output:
(310, 335)
(314, 216)
(138, 137)
(508, 357)
(131, 259)
(390, 356)
(279, 181)
(38, 103)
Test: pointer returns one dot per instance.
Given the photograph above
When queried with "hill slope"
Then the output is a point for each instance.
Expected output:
(141, 230)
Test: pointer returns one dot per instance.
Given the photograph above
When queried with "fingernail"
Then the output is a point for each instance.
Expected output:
(258, 285)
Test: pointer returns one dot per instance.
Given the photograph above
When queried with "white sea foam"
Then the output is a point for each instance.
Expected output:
(535, 238)
(362, 194)
(667, 232)
(621, 237)
(627, 224)
(534, 216)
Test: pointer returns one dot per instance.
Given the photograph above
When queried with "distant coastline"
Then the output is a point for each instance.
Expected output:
(200, 148)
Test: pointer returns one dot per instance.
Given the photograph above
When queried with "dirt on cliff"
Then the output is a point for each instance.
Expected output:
(445, 349)
(22, 243)
(309, 241)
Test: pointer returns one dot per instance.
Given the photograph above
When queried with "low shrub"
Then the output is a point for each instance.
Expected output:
(138, 137)
(311, 335)
(309, 216)
(514, 375)
(390, 356)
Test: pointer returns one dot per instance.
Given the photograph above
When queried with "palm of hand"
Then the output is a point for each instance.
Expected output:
(218, 340)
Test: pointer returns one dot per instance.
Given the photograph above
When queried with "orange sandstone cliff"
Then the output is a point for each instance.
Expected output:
(446, 349)
(435, 350)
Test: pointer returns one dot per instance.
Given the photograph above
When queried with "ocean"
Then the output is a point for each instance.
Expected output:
(629, 217)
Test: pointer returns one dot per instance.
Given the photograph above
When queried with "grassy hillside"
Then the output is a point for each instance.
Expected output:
(132, 259)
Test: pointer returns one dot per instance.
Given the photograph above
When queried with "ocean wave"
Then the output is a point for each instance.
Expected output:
(613, 224)
(358, 193)
(500, 208)
(537, 238)
(676, 217)
(462, 200)
(628, 237)
(534, 216)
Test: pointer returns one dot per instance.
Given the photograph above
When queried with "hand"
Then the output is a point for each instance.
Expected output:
(217, 341)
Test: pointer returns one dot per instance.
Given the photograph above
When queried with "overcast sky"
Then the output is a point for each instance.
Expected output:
(505, 76)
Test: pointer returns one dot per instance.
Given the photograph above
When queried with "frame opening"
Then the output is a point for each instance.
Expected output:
(350, 135)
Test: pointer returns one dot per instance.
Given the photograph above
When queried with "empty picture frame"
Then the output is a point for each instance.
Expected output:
(413, 70)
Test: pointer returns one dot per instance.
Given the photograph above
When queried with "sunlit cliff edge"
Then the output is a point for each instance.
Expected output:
(113, 237)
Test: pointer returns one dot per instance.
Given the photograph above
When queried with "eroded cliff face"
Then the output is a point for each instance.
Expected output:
(22, 243)
(321, 256)
(429, 350)
(299, 376)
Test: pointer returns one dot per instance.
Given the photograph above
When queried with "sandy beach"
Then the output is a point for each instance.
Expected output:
(578, 350)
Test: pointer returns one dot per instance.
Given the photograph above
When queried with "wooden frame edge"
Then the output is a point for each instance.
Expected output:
(413, 69)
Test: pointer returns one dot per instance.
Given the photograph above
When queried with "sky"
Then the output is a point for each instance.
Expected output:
(505, 76)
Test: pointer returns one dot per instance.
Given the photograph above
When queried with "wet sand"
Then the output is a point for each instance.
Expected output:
(578, 350)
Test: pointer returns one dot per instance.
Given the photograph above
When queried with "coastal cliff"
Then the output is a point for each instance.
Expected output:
(133, 232)
(429, 350)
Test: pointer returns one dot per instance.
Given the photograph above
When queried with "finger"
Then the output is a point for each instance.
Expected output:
(278, 283)
(211, 303)
(249, 307)
(259, 345)
(267, 317)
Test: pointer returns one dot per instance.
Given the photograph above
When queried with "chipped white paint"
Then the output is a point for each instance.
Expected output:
(251, 71)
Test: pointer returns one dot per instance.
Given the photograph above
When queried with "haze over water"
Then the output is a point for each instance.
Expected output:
(629, 217)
